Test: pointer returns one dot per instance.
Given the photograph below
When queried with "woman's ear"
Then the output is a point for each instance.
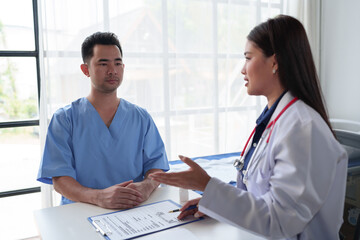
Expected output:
(274, 64)
(85, 69)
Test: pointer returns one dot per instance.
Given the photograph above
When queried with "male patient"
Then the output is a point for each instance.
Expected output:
(101, 148)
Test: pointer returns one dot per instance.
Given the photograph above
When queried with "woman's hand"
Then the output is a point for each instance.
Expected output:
(194, 212)
(195, 178)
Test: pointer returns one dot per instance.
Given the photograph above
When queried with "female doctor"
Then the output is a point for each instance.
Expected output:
(292, 171)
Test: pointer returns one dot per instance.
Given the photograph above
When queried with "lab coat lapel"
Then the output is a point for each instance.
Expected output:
(261, 147)
(283, 102)
(258, 153)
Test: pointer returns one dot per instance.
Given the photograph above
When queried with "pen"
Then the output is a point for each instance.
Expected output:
(189, 208)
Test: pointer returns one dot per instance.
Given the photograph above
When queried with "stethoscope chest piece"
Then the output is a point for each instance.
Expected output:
(239, 164)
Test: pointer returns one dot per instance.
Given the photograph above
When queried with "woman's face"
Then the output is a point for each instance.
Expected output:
(258, 71)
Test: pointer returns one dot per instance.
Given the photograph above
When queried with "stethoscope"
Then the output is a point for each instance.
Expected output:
(239, 163)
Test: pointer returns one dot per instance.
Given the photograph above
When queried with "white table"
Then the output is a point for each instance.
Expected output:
(70, 222)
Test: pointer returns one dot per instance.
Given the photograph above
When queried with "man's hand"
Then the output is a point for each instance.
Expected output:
(147, 186)
(120, 196)
(143, 188)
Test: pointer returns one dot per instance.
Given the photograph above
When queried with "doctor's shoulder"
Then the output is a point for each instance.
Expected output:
(310, 122)
(300, 117)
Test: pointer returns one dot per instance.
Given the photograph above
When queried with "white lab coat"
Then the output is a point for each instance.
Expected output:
(295, 183)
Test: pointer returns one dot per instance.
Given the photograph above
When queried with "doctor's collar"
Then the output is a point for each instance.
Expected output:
(267, 113)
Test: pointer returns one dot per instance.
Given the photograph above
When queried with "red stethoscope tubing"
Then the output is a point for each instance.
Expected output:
(270, 125)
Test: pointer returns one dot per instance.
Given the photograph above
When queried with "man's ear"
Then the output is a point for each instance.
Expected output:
(85, 69)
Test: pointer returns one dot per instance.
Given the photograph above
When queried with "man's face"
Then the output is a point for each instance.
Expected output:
(105, 68)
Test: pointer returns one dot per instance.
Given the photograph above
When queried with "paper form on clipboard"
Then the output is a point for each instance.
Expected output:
(139, 221)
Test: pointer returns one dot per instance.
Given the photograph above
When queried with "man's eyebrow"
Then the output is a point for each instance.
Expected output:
(246, 53)
(107, 60)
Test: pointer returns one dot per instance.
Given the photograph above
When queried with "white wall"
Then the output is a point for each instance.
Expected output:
(340, 58)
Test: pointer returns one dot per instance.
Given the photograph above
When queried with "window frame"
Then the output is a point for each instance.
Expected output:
(26, 123)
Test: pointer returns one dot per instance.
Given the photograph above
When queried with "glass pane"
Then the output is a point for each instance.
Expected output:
(191, 83)
(17, 221)
(192, 135)
(20, 157)
(269, 12)
(143, 29)
(143, 83)
(271, 1)
(18, 89)
(64, 28)
(232, 90)
(235, 128)
(190, 26)
(235, 21)
(65, 84)
(16, 25)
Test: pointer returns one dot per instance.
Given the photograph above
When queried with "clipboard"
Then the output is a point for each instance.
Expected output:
(139, 221)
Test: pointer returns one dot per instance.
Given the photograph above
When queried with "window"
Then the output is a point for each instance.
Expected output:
(183, 64)
(19, 117)
(183, 61)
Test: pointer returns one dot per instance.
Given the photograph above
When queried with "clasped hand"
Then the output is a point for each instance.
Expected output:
(121, 196)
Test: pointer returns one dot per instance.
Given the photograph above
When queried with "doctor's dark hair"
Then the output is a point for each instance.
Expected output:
(285, 37)
(103, 38)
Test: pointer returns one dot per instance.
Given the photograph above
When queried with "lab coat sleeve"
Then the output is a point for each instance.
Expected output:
(303, 171)
(234, 206)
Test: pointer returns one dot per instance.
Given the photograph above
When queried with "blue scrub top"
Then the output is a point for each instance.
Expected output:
(80, 145)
